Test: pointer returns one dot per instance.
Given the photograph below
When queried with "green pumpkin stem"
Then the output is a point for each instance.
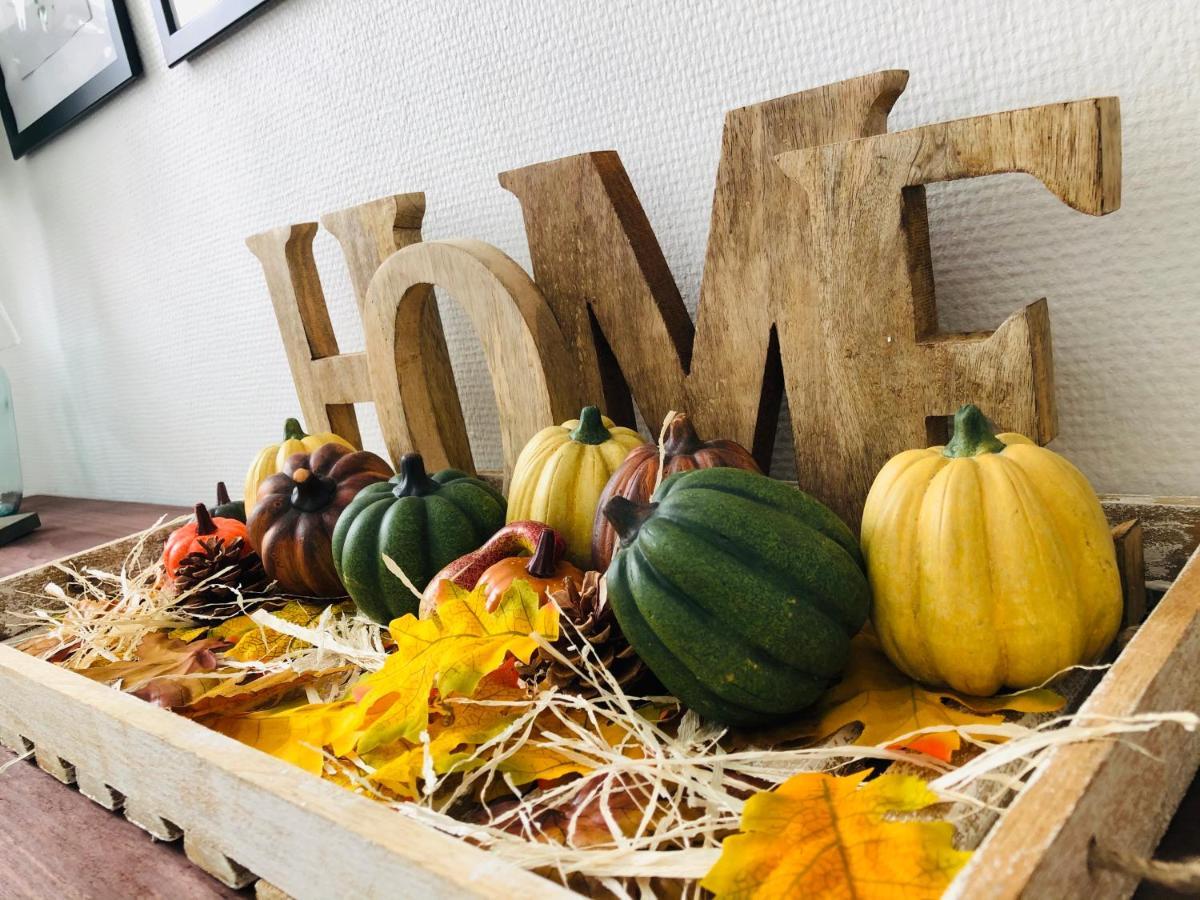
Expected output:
(222, 494)
(411, 480)
(681, 438)
(627, 517)
(204, 522)
(293, 430)
(590, 429)
(973, 434)
(542, 564)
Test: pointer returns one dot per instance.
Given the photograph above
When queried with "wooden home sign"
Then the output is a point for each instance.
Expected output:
(817, 281)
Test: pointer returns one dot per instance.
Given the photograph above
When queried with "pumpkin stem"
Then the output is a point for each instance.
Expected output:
(222, 494)
(590, 429)
(311, 491)
(204, 522)
(293, 431)
(627, 517)
(542, 563)
(411, 480)
(973, 434)
(681, 438)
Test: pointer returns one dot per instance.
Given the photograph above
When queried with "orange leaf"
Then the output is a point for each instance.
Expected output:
(890, 705)
(819, 835)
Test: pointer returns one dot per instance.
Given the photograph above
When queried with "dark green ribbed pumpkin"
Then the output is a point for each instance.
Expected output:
(421, 522)
(740, 592)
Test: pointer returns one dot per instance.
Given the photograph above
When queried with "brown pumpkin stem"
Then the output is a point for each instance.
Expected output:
(627, 517)
(222, 494)
(681, 438)
(542, 564)
(293, 430)
(411, 480)
(312, 491)
(204, 521)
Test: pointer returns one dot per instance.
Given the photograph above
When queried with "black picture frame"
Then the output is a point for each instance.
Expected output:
(85, 98)
(180, 42)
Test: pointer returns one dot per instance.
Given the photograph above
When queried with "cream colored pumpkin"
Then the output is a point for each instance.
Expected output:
(990, 560)
(272, 459)
(561, 473)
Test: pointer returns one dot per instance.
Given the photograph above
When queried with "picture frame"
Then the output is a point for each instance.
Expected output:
(53, 71)
(188, 27)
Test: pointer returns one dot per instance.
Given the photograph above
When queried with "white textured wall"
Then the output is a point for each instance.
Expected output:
(152, 364)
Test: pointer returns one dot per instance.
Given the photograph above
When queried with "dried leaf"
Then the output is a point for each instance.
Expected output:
(157, 656)
(819, 835)
(253, 642)
(890, 705)
(452, 650)
(230, 696)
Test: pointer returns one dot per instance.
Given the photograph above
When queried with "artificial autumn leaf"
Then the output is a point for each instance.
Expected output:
(820, 835)
(188, 634)
(231, 696)
(253, 642)
(157, 656)
(579, 822)
(890, 705)
(295, 735)
(452, 650)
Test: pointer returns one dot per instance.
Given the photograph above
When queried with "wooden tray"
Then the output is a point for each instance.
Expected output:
(245, 816)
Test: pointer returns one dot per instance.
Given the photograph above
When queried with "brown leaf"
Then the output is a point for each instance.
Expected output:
(158, 656)
(230, 696)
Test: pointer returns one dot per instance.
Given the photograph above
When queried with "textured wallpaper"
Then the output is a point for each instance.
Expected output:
(151, 364)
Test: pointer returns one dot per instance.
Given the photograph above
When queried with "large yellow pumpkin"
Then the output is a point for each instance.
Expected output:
(990, 561)
(273, 458)
(561, 473)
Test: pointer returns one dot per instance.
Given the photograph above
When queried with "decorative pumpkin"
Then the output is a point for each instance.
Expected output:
(273, 458)
(741, 593)
(516, 539)
(292, 523)
(187, 539)
(422, 523)
(225, 508)
(636, 478)
(561, 473)
(545, 571)
(991, 562)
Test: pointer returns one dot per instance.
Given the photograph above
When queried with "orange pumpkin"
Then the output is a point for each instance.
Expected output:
(186, 540)
(544, 571)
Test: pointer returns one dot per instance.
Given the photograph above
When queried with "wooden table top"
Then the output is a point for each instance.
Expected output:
(56, 842)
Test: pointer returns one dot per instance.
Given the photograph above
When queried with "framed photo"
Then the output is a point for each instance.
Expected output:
(185, 27)
(58, 60)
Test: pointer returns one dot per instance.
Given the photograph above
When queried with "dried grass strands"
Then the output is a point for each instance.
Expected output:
(334, 639)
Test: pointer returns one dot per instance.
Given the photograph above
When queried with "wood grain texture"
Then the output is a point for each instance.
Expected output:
(1127, 538)
(597, 261)
(1105, 792)
(868, 372)
(532, 373)
(55, 842)
(327, 381)
(1170, 528)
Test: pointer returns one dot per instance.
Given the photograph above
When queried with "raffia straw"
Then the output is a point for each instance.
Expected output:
(662, 450)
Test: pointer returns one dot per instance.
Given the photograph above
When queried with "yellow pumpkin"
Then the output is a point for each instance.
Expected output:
(561, 473)
(990, 561)
(272, 459)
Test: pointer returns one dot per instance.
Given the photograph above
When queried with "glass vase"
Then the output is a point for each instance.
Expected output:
(10, 458)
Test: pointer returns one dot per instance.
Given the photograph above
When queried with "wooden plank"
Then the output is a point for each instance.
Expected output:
(1127, 538)
(1106, 793)
(55, 842)
(1170, 527)
(223, 791)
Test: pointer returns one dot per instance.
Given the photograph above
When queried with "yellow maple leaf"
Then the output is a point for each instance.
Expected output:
(890, 705)
(820, 835)
(295, 735)
(452, 650)
(254, 642)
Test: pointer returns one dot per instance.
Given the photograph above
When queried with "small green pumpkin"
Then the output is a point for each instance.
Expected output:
(739, 592)
(422, 523)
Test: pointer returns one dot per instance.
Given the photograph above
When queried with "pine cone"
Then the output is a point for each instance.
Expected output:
(216, 571)
(593, 620)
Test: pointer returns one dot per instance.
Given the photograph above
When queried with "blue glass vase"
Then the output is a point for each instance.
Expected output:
(10, 458)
